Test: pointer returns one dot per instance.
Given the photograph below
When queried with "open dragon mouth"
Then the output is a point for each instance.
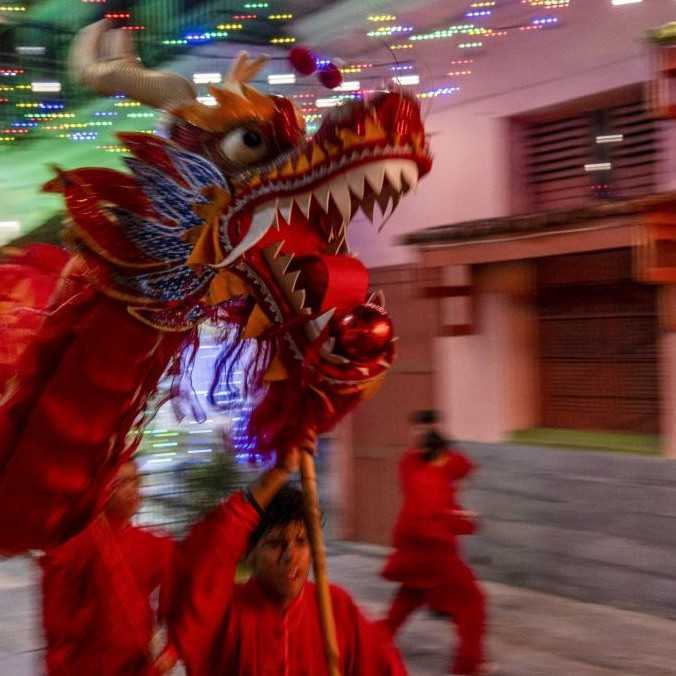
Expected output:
(285, 230)
(355, 163)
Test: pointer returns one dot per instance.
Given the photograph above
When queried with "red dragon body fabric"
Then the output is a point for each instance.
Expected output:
(234, 217)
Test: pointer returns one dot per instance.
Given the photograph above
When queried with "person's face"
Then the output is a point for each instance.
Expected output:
(419, 431)
(125, 499)
(281, 561)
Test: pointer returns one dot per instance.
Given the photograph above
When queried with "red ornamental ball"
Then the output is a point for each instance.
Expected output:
(303, 60)
(364, 333)
(330, 76)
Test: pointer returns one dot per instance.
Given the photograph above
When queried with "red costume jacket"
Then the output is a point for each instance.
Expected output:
(96, 588)
(425, 535)
(225, 629)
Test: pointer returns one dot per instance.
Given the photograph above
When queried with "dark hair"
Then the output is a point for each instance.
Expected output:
(285, 508)
(425, 417)
(433, 443)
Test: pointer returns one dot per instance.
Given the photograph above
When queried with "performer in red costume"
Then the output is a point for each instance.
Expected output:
(426, 560)
(96, 588)
(270, 624)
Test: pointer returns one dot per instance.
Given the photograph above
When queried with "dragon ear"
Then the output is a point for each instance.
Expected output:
(244, 69)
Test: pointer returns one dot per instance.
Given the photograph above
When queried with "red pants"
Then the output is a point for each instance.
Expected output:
(462, 599)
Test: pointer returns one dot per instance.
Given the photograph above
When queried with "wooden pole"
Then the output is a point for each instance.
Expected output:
(314, 525)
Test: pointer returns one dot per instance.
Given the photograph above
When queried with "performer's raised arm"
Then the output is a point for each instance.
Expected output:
(207, 566)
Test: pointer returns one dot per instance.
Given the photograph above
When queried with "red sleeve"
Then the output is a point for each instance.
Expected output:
(67, 610)
(205, 577)
(459, 466)
(370, 649)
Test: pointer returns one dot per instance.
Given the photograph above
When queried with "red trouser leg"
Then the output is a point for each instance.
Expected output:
(464, 600)
(406, 601)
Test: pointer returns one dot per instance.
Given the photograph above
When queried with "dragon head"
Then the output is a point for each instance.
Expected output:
(236, 208)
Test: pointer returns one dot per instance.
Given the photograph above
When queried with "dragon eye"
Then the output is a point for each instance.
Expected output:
(244, 146)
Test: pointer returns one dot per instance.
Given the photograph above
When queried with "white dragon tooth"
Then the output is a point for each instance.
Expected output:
(260, 224)
(317, 325)
(284, 206)
(363, 370)
(409, 172)
(322, 195)
(393, 171)
(298, 301)
(272, 252)
(384, 363)
(304, 201)
(375, 175)
(355, 180)
(341, 196)
(377, 298)
(326, 351)
(322, 321)
(283, 262)
(278, 262)
(291, 279)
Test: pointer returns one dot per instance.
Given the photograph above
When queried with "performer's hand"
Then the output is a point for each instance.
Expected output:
(289, 461)
(464, 522)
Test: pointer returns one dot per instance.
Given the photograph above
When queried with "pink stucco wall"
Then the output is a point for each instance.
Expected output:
(487, 383)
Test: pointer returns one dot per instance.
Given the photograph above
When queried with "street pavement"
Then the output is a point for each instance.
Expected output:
(530, 634)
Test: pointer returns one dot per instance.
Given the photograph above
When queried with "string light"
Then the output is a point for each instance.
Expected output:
(384, 31)
(470, 45)
(442, 91)
(459, 73)
(282, 78)
(450, 32)
(406, 80)
(45, 87)
(31, 50)
(207, 78)
(83, 136)
(282, 41)
(113, 148)
(230, 26)
(202, 37)
(547, 4)
(280, 17)
(401, 46)
(379, 18)
(12, 8)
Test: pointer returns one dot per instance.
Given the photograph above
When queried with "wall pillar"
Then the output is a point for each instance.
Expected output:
(487, 383)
